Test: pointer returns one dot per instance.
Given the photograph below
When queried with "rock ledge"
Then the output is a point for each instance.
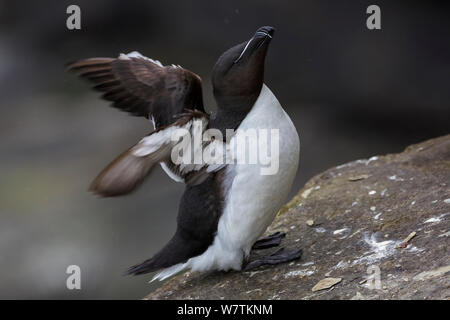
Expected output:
(385, 218)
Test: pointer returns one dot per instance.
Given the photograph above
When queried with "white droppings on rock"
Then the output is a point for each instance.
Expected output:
(275, 297)
(343, 233)
(306, 193)
(320, 230)
(435, 219)
(339, 231)
(254, 290)
(378, 250)
(395, 178)
(414, 249)
(377, 216)
(341, 265)
(299, 273)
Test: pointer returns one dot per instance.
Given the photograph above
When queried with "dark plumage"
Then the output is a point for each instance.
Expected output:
(143, 87)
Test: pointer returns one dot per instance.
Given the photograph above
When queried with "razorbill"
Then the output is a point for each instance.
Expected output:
(226, 206)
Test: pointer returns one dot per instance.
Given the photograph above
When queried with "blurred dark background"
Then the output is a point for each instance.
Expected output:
(351, 92)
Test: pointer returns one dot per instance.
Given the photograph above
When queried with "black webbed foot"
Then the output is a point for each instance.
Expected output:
(279, 256)
(268, 242)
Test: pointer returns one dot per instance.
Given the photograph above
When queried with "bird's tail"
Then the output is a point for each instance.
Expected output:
(171, 271)
(147, 266)
(174, 257)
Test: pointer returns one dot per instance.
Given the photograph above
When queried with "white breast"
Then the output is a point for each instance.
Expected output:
(253, 199)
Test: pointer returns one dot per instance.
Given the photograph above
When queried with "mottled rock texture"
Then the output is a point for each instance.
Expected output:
(352, 222)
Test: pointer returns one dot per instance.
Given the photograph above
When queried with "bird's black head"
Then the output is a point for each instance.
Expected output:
(238, 74)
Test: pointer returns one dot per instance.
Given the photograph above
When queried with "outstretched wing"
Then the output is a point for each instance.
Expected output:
(142, 86)
(171, 96)
(167, 146)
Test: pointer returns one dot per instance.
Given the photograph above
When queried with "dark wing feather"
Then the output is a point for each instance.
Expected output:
(143, 87)
(129, 170)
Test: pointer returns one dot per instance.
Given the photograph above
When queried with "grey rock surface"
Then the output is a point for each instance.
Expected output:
(369, 229)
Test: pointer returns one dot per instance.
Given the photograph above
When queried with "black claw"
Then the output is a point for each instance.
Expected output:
(278, 257)
(268, 242)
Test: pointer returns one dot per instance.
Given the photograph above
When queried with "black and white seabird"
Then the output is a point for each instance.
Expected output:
(225, 208)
